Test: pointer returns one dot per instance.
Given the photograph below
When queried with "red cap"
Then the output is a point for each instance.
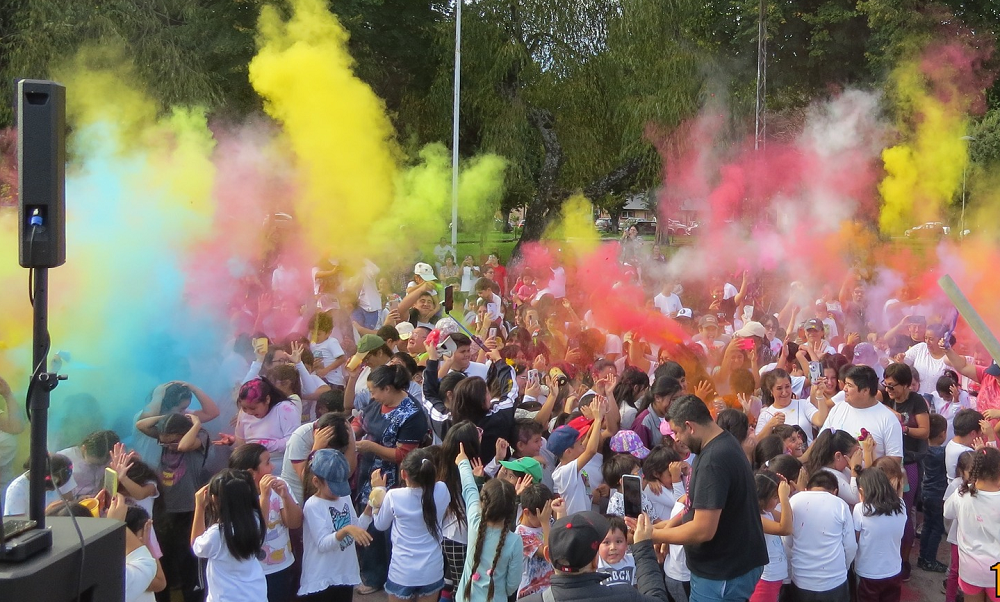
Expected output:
(581, 424)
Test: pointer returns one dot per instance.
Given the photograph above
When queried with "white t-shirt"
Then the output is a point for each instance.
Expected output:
(229, 579)
(416, 553)
(668, 305)
(664, 502)
(847, 488)
(277, 545)
(476, 369)
(569, 485)
(328, 352)
(949, 409)
(299, 447)
(15, 502)
(327, 562)
(798, 412)
(140, 569)
(952, 525)
(675, 565)
(951, 453)
(612, 345)
(776, 568)
(273, 430)
(878, 545)
(878, 420)
(622, 572)
(930, 369)
(822, 544)
(978, 537)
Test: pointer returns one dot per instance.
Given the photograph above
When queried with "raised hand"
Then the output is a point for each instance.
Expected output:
(296, 354)
(378, 478)
(477, 467)
(704, 390)
(522, 484)
(458, 459)
(501, 449)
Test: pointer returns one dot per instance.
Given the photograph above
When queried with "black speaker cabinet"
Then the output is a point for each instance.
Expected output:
(52, 576)
(41, 163)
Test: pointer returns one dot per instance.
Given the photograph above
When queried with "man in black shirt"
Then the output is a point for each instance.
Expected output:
(721, 531)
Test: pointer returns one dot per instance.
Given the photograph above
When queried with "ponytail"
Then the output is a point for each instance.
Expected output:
(390, 376)
(420, 468)
(825, 447)
(499, 504)
(985, 466)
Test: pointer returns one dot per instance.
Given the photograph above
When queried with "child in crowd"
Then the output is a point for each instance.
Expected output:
(772, 491)
(573, 453)
(932, 490)
(415, 512)
(264, 418)
(330, 568)
(141, 557)
(232, 543)
(879, 519)
(614, 468)
(614, 557)
(823, 543)
(328, 353)
(962, 474)
(491, 541)
(662, 471)
(677, 577)
(60, 484)
(538, 506)
(976, 509)
(281, 513)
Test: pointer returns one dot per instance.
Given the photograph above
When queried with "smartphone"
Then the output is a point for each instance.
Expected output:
(394, 305)
(632, 494)
(493, 333)
(746, 344)
(260, 345)
(111, 481)
(815, 371)
(533, 375)
(449, 298)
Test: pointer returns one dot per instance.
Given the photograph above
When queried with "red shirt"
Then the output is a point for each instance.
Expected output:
(989, 391)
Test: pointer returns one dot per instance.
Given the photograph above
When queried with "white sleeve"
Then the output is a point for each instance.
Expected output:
(140, 569)
(763, 418)
(252, 373)
(849, 537)
(208, 544)
(893, 443)
(383, 518)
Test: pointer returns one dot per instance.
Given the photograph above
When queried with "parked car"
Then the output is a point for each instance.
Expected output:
(676, 228)
(645, 227)
(928, 230)
(603, 225)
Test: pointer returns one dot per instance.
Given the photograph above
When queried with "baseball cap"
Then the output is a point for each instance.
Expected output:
(562, 439)
(814, 324)
(525, 465)
(708, 320)
(685, 312)
(628, 442)
(331, 466)
(425, 271)
(993, 370)
(865, 354)
(367, 344)
(405, 330)
(581, 424)
(751, 329)
(575, 540)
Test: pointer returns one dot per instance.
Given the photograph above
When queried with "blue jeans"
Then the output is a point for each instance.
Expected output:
(930, 538)
(738, 589)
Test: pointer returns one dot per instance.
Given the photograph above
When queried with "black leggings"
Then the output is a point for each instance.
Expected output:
(180, 566)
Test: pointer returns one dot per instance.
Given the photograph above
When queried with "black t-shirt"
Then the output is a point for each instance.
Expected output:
(722, 478)
(901, 343)
(913, 449)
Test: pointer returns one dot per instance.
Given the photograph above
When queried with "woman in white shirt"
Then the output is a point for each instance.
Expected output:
(929, 359)
(780, 408)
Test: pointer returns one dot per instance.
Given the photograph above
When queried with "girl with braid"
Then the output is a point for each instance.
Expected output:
(495, 561)
(976, 508)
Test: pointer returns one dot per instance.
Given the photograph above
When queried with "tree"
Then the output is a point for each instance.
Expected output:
(564, 91)
(191, 53)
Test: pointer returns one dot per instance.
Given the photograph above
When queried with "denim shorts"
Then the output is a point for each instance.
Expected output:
(409, 592)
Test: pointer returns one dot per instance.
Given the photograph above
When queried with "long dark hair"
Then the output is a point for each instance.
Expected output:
(767, 486)
(235, 506)
(663, 386)
(390, 376)
(256, 390)
(880, 496)
(767, 383)
(247, 457)
(464, 433)
(826, 446)
(420, 468)
(469, 400)
(143, 474)
(767, 448)
(286, 372)
(631, 385)
(499, 504)
(174, 395)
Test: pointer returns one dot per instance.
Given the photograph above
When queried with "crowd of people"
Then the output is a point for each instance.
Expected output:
(471, 433)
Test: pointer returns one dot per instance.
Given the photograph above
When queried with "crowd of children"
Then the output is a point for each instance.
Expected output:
(380, 449)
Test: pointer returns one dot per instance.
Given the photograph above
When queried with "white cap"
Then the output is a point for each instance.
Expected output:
(685, 313)
(425, 271)
(405, 330)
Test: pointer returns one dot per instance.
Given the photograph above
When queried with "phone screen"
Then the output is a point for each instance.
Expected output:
(449, 298)
(632, 494)
(815, 371)
(111, 481)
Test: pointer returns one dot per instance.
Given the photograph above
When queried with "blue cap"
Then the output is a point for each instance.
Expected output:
(331, 466)
(562, 439)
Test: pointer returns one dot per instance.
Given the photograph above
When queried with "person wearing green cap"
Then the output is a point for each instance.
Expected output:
(372, 353)
(513, 471)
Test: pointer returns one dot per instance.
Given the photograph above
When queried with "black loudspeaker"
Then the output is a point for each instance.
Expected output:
(53, 575)
(41, 162)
